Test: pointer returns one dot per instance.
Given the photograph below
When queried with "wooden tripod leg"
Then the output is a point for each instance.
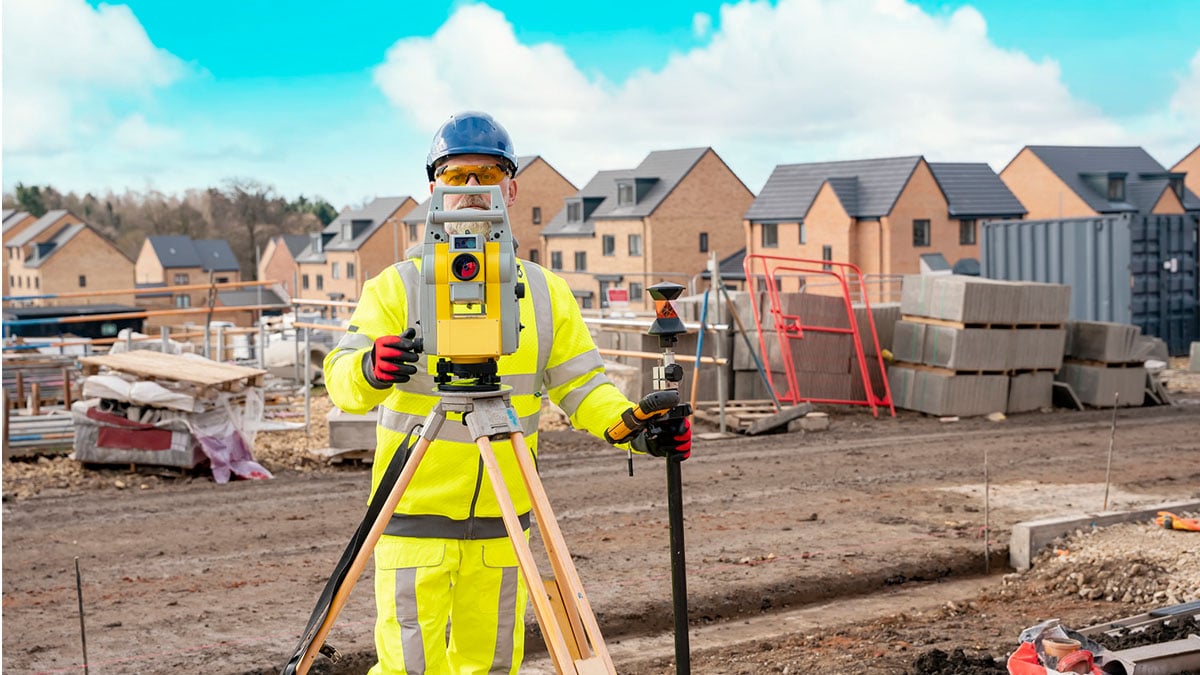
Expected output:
(555, 640)
(364, 554)
(560, 559)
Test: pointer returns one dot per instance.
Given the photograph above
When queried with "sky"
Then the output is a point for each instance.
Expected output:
(341, 100)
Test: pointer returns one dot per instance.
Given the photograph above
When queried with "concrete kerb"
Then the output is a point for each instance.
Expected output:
(1030, 537)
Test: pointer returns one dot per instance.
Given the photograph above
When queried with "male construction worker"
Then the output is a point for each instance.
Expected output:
(445, 558)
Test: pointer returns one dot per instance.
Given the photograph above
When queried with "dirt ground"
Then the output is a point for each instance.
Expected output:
(854, 550)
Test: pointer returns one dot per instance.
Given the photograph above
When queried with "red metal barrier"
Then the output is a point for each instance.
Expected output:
(768, 270)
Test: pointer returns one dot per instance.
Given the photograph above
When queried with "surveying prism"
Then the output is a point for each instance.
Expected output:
(469, 291)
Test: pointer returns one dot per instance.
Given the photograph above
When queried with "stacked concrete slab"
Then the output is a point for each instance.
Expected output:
(970, 346)
(1105, 363)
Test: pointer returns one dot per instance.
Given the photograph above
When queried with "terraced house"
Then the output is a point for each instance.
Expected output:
(58, 254)
(167, 261)
(356, 246)
(540, 192)
(883, 215)
(631, 228)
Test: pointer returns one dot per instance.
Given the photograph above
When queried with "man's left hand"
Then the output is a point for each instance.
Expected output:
(671, 438)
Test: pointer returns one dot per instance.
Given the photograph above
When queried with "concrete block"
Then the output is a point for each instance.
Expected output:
(967, 348)
(1031, 537)
(961, 298)
(749, 386)
(885, 315)
(1044, 303)
(875, 374)
(902, 380)
(351, 432)
(813, 421)
(835, 386)
(908, 341)
(1103, 341)
(1194, 358)
(1098, 385)
(816, 310)
(815, 352)
(1030, 391)
(945, 394)
(1037, 348)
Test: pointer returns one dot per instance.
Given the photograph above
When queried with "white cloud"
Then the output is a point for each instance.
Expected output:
(1186, 101)
(67, 65)
(701, 25)
(136, 134)
(806, 80)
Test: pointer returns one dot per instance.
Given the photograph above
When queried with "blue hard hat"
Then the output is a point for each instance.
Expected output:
(470, 133)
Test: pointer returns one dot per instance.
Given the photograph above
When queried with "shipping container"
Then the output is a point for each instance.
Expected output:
(1130, 268)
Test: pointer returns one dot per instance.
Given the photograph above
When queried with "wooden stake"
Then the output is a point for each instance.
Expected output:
(1111, 438)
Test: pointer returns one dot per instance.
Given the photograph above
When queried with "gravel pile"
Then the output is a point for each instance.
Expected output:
(1138, 563)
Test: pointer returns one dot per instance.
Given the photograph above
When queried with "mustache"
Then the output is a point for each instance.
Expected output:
(470, 201)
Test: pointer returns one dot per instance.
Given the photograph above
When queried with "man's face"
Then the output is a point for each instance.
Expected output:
(473, 170)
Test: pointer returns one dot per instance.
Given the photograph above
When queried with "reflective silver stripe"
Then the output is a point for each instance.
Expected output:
(521, 384)
(411, 641)
(453, 430)
(570, 402)
(506, 620)
(412, 292)
(428, 526)
(543, 312)
(354, 342)
(578, 365)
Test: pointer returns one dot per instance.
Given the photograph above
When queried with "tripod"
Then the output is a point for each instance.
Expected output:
(572, 635)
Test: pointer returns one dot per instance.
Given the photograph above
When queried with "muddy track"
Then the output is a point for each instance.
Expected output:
(222, 578)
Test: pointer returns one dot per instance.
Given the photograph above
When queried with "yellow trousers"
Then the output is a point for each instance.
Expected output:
(448, 607)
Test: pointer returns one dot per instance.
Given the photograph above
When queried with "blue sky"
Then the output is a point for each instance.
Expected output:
(340, 99)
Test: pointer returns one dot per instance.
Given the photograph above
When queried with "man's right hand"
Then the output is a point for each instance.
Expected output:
(390, 361)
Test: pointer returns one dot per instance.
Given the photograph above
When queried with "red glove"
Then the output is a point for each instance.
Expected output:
(390, 361)
(670, 437)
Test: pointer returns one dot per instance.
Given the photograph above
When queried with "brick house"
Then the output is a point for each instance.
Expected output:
(882, 215)
(14, 223)
(356, 246)
(658, 221)
(1076, 182)
(58, 254)
(1190, 167)
(278, 261)
(167, 261)
(541, 190)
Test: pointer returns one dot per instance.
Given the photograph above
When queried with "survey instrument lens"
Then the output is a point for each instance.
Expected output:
(465, 267)
(487, 174)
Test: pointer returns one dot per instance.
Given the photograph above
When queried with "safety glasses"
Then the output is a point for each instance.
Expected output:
(486, 174)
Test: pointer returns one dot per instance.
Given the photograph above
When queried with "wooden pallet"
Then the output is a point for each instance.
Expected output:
(158, 366)
(749, 417)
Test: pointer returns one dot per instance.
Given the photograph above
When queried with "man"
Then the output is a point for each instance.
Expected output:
(445, 558)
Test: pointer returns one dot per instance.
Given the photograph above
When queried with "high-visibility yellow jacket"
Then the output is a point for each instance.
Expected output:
(450, 494)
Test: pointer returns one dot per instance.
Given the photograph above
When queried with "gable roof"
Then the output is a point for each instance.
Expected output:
(654, 179)
(731, 268)
(211, 255)
(295, 243)
(973, 189)
(362, 224)
(248, 297)
(43, 250)
(791, 188)
(1074, 165)
(12, 218)
(40, 225)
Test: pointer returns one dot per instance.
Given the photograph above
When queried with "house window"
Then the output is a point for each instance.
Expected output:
(222, 280)
(609, 244)
(921, 233)
(803, 232)
(83, 281)
(635, 291)
(826, 254)
(320, 282)
(966, 231)
(183, 301)
(412, 232)
(587, 303)
(770, 235)
(304, 282)
(580, 261)
(624, 194)
(347, 231)
(1116, 188)
(635, 244)
(537, 215)
(704, 242)
(574, 212)
(181, 279)
(556, 260)
(37, 282)
(349, 270)
(335, 271)
(533, 255)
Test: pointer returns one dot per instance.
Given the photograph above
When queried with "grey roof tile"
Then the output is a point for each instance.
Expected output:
(11, 218)
(1074, 164)
(39, 226)
(55, 244)
(176, 251)
(362, 224)
(602, 187)
(791, 188)
(247, 297)
(973, 189)
(295, 243)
